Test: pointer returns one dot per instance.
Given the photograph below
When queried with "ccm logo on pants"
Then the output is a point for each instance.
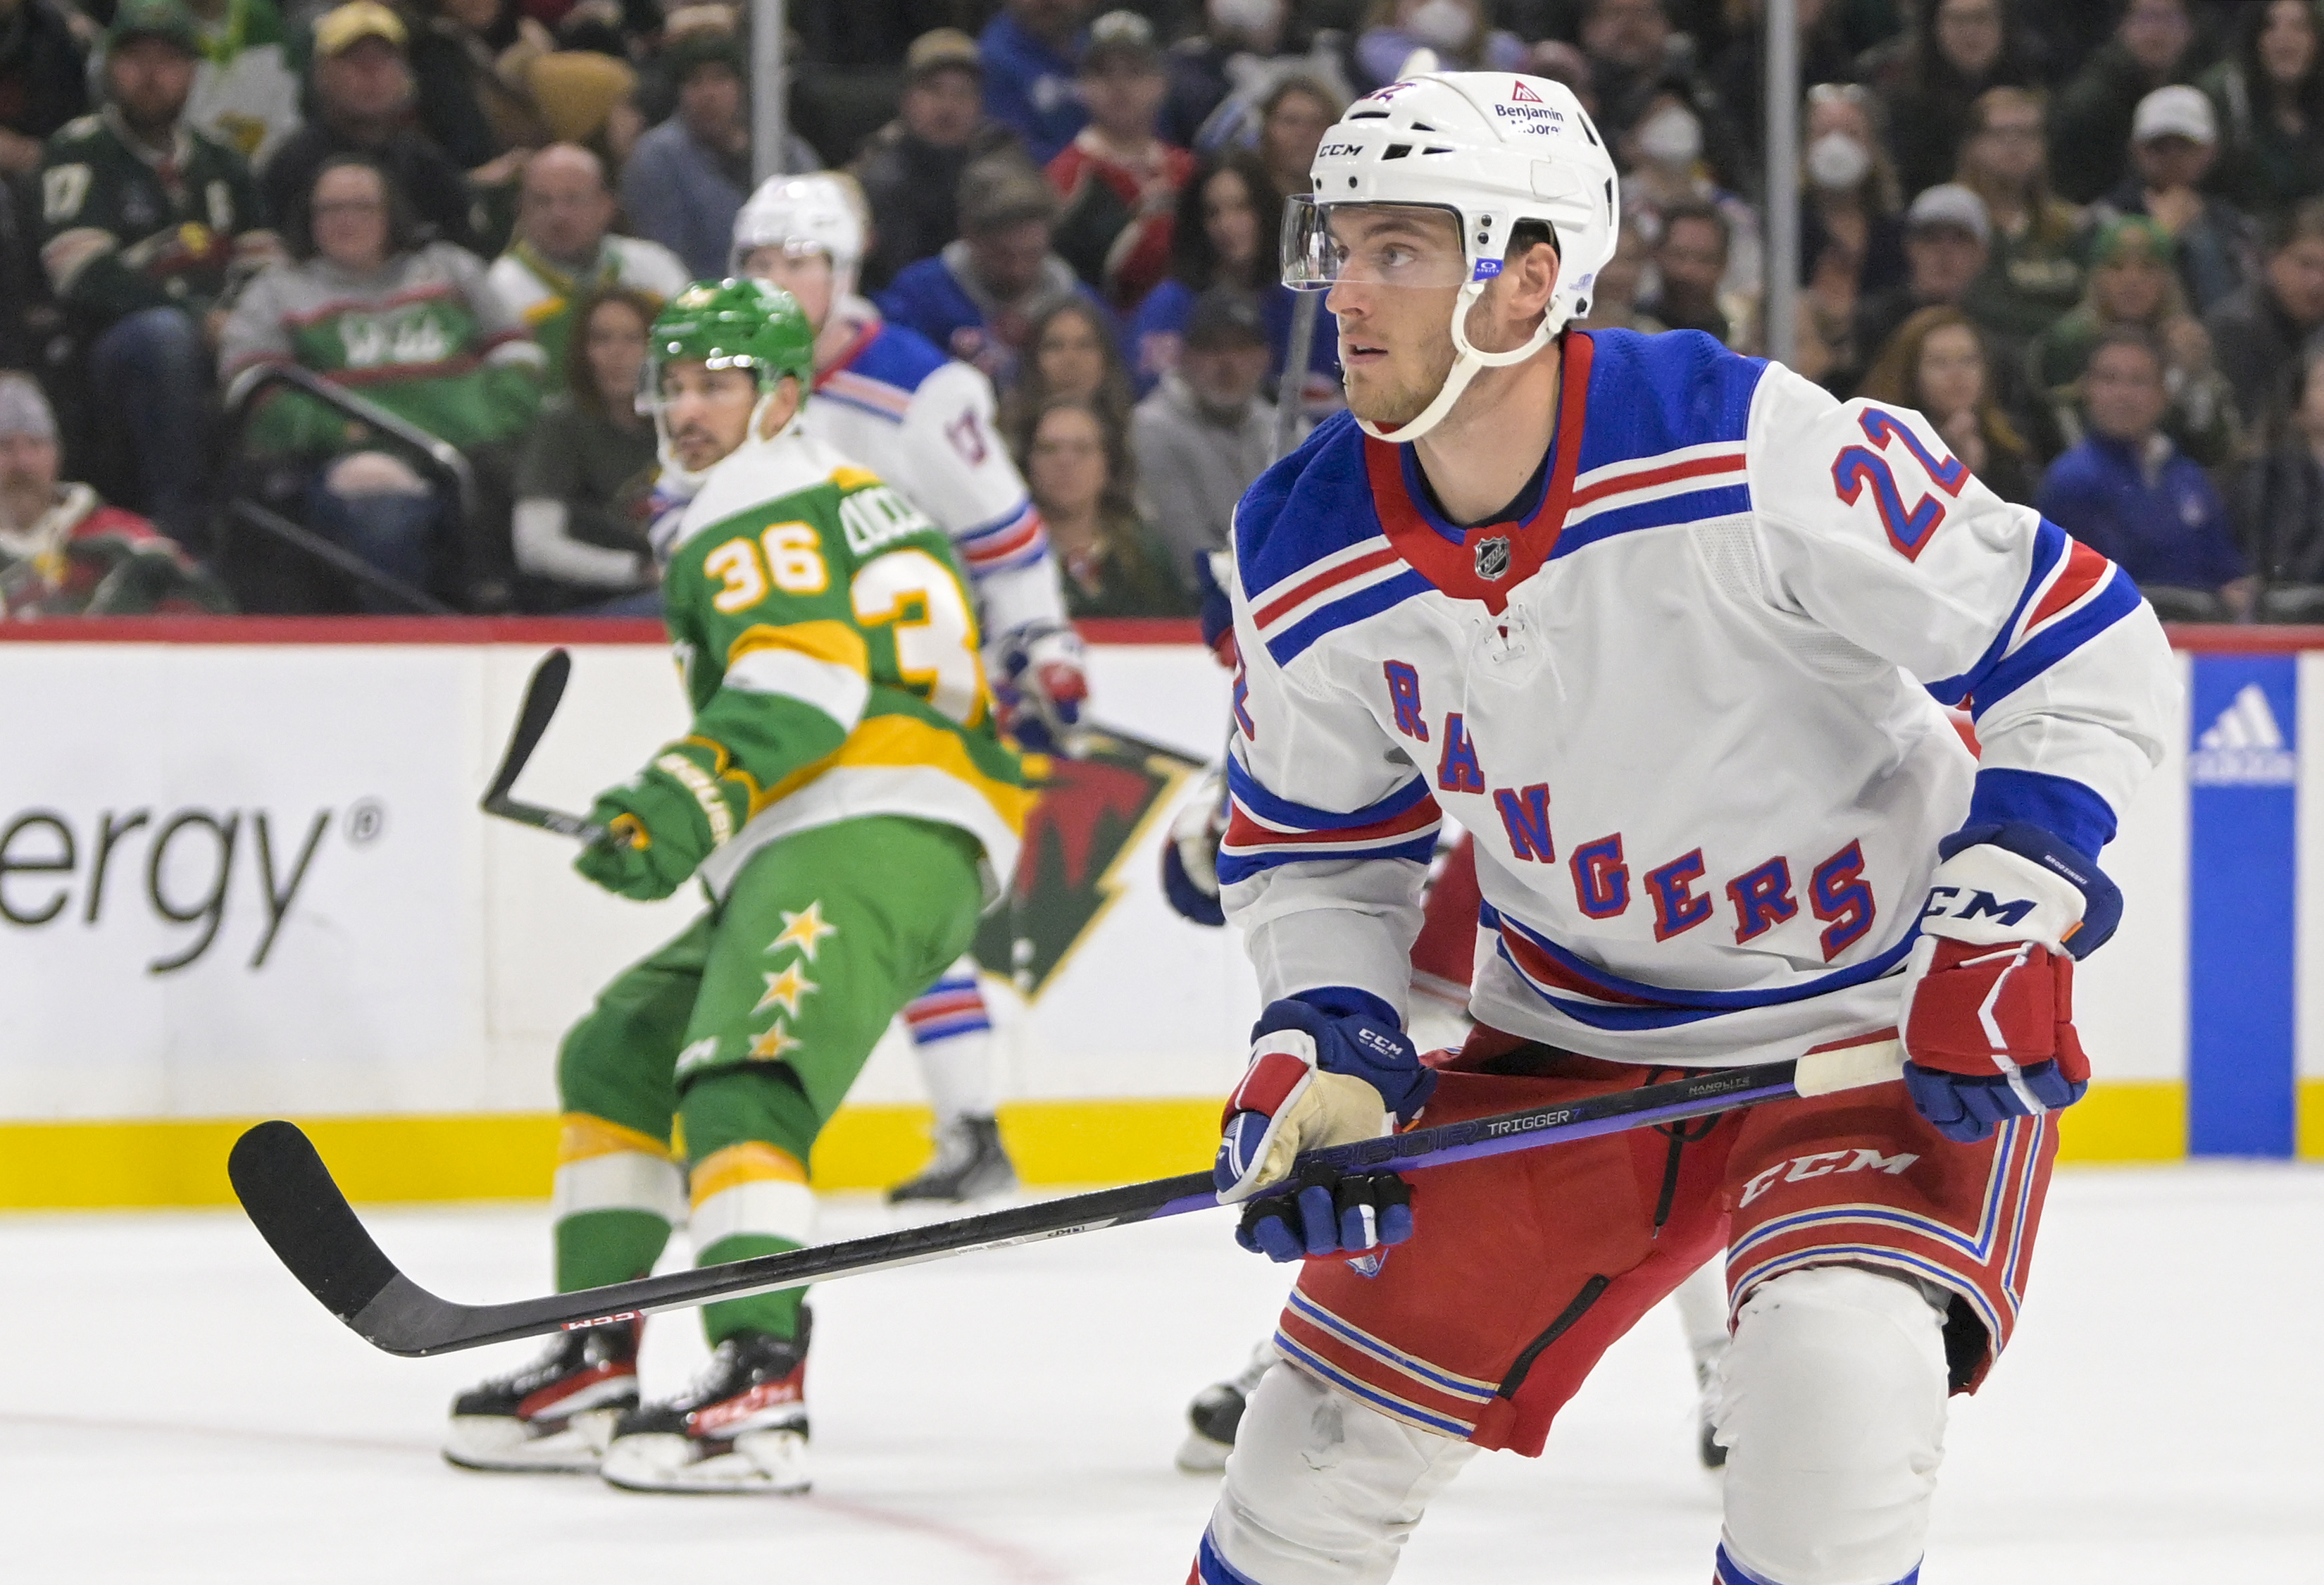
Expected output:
(1823, 1163)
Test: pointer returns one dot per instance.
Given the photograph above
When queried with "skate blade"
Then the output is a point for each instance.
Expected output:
(1199, 1455)
(498, 1444)
(772, 1461)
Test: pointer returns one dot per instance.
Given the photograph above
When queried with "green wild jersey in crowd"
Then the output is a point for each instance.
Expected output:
(831, 654)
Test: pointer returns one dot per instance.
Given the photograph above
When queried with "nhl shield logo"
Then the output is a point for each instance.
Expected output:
(1493, 558)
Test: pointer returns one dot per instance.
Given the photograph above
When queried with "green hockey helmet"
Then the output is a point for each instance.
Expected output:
(730, 324)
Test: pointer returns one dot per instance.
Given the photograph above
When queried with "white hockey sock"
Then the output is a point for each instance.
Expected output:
(1321, 1489)
(1701, 1301)
(952, 1038)
(1832, 1409)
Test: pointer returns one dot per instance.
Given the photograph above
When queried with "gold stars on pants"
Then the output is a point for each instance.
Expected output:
(805, 931)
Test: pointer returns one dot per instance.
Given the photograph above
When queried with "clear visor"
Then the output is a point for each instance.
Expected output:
(791, 250)
(654, 383)
(1371, 244)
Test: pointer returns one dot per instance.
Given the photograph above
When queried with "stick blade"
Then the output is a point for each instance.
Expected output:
(541, 695)
(289, 1197)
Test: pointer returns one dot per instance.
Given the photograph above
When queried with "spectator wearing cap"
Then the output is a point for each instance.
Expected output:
(2034, 273)
(63, 551)
(978, 299)
(1459, 32)
(1119, 180)
(2172, 140)
(1946, 234)
(1029, 52)
(2129, 493)
(2273, 323)
(2133, 285)
(148, 223)
(565, 247)
(687, 178)
(2090, 123)
(1206, 434)
(910, 169)
(2270, 95)
(362, 102)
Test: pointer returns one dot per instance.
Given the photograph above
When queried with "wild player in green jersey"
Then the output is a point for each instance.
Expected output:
(847, 802)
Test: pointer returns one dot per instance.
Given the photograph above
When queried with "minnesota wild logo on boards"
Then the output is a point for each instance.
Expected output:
(1092, 810)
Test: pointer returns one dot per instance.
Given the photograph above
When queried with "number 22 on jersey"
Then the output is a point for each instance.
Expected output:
(1858, 466)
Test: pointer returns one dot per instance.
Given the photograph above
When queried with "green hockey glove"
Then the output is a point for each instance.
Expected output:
(665, 820)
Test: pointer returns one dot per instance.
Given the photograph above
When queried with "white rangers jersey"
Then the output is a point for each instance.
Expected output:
(923, 422)
(1690, 698)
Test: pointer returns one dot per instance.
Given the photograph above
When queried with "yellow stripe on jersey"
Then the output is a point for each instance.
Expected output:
(905, 742)
(751, 1162)
(853, 479)
(832, 641)
(581, 1137)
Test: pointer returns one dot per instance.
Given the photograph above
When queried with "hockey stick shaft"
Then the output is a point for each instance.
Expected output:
(541, 695)
(290, 1196)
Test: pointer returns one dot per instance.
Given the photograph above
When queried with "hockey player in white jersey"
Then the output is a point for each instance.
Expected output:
(1671, 631)
(924, 421)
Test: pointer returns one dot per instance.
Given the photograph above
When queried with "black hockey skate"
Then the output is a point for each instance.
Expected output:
(1216, 1412)
(971, 1163)
(742, 1427)
(557, 1414)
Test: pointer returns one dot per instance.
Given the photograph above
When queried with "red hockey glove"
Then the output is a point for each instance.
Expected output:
(1989, 1003)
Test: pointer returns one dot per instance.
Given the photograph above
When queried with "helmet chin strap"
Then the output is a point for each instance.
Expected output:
(1466, 361)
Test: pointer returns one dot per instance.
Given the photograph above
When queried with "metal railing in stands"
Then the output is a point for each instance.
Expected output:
(434, 456)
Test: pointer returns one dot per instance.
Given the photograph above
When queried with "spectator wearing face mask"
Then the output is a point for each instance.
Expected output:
(1119, 179)
(1632, 52)
(1667, 171)
(1833, 34)
(2129, 493)
(1851, 236)
(2173, 139)
(1206, 434)
(1458, 31)
(2090, 123)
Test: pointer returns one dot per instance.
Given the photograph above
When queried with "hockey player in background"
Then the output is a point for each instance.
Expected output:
(923, 421)
(1668, 630)
(849, 807)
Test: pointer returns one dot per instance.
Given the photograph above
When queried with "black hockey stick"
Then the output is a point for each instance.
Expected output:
(289, 1194)
(540, 697)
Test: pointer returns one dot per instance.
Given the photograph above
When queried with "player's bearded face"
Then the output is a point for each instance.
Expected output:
(706, 412)
(1398, 273)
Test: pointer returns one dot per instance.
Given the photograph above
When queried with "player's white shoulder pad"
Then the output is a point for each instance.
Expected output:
(756, 474)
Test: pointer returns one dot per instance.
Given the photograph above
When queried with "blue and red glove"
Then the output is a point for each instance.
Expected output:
(1987, 1018)
(1329, 1066)
(1040, 680)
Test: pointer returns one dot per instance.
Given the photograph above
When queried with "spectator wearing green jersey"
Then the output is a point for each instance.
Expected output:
(144, 223)
(418, 328)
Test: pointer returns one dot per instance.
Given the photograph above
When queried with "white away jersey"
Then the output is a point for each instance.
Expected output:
(923, 421)
(1696, 722)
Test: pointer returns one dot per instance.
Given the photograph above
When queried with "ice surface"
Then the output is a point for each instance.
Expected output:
(180, 1411)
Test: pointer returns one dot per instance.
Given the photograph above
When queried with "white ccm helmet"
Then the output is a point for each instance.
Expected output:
(1490, 148)
(803, 214)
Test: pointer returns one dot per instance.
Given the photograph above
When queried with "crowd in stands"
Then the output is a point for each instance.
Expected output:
(316, 307)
